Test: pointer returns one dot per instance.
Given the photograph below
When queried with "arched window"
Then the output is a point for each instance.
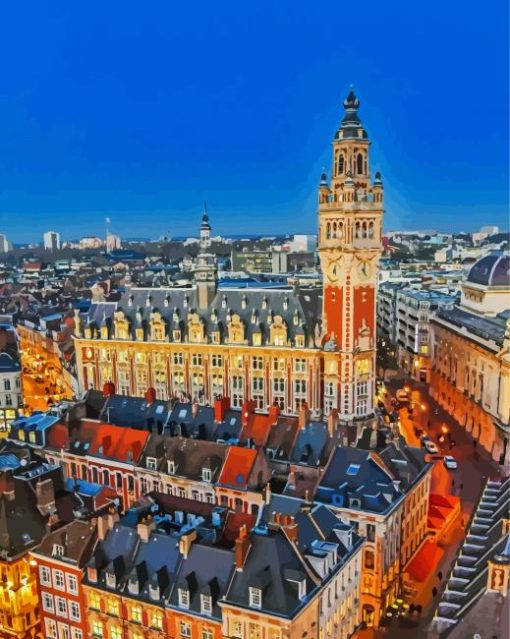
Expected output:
(340, 230)
(341, 162)
(334, 229)
(370, 230)
(364, 233)
(359, 163)
(357, 233)
(328, 231)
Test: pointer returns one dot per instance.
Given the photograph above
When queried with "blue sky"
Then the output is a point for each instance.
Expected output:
(141, 111)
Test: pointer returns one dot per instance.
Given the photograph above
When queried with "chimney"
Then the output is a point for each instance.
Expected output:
(106, 523)
(267, 493)
(185, 542)
(274, 411)
(248, 407)
(144, 528)
(243, 545)
(45, 495)
(221, 406)
(304, 415)
(332, 421)
(291, 530)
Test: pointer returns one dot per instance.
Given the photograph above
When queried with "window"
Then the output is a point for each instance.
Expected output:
(300, 365)
(72, 584)
(157, 620)
(58, 580)
(236, 629)
(47, 602)
(58, 550)
(359, 164)
(255, 597)
(207, 633)
(206, 474)
(151, 463)
(217, 361)
(61, 606)
(341, 162)
(257, 363)
(112, 607)
(45, 575)
(184, 629)
(183, 598)
(371, 532)
(136, 614)
(257, 384)
(94, 600)
(97, 628)
(196, 359)
(178, 359)
(74, 611)
(76, 633)
(7, 384)
(206, 604)
(300, 386)
(171, 467)
(237, 383)
(116, 632)
(279, 385)
(369, 559)
(51, 628)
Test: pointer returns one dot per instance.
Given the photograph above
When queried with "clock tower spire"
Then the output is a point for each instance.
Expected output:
(350, 217)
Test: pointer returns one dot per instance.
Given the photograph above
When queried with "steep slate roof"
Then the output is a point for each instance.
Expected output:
(358, 479)
(489, 328)
(304, 304)
(310, 443)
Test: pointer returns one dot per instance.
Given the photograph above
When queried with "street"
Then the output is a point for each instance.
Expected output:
(37, 383)
(474, 466)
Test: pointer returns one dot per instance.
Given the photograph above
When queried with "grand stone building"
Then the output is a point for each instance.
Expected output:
(470, 374)
(285, 346)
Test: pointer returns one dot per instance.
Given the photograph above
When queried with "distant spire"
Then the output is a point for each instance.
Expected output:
(351, 126)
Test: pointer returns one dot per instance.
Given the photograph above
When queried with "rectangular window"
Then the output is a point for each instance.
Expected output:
(255, 597)
(257, 363)
(47, 602)
(72, 584)
(74, 611)
(196, 359)
(183, 598)
(184, 629)
(151, 463)
(94, 600)
(300, 365)
(257, 384)
(61, 607)
(206, 604)
(58, 580)
(76, 633)
(45, 575)
(178, 359)
(217, 361)
(51, 628)
(97, 628)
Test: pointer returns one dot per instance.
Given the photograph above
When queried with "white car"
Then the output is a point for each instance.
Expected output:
(431, 447)
(450, 462)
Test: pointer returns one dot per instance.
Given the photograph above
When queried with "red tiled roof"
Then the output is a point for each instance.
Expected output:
(257, 428)
(237, 466)
(124, 444)
(424, 562)
(57, 436)
(441, 508)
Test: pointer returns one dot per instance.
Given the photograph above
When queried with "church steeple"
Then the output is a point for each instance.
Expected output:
(205, 230)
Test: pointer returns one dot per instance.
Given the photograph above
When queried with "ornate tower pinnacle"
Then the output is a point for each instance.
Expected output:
(206, 272)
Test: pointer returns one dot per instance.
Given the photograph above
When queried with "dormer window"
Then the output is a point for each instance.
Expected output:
(300, 341)
(183, 598)
(111, 581)
(92, 574)
(206, 474)
(58, 550)
(171, 467)
(177, 336)
(151, 463)
(215, 337)
(206, 604)
(255, 597)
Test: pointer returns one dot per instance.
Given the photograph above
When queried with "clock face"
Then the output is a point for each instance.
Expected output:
(364, 270)
(333, 271)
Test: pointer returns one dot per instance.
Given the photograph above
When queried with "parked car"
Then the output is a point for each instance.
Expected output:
(431, 447)
(450, 462)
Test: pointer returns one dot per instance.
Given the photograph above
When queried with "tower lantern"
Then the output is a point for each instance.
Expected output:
(206, 272)
(350, 217)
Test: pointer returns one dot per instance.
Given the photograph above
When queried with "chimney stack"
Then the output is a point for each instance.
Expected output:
(304, 415)
(144, 529)
(221, 406)
(332, 421)
(186, 541)
(243, 545)
(291, 529)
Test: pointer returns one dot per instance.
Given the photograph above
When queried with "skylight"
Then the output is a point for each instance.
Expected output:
(353, 469)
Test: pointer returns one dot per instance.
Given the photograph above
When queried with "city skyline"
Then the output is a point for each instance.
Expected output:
(92, 127)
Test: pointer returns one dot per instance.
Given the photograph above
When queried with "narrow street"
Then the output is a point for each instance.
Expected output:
(474, 466)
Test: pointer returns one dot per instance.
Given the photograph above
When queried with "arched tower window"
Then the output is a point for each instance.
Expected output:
(328, 231)
(357, 233)
(341, 162)
(359, 163)
(370, 230)
(364, 234)
(334, 229)
(340, 230)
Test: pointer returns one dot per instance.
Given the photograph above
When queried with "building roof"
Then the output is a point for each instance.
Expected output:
(491, 270)
(488, 328)
(237, 467)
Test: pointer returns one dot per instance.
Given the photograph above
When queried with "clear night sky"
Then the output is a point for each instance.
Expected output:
(140, 111)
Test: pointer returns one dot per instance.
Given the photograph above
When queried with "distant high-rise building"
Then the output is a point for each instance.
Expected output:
(51, 241)
(5, 244)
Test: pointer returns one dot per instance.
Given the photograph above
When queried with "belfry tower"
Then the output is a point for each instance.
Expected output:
(350, 217)
(206, 271)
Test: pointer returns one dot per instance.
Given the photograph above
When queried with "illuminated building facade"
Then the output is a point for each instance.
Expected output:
(283, 347)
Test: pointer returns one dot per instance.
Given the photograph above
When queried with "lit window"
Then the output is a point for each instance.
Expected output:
(112, 607)
(116, 632)
(94, 600)
(136, 614)
(97, 628)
